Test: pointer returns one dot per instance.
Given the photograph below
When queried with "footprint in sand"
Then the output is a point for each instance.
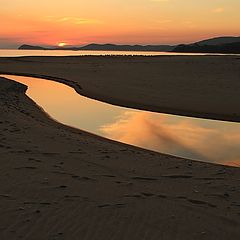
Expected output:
(200, 202)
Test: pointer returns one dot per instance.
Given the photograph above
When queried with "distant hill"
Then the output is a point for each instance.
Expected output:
(226, 44)
(114, 47)
(106, 47)
(231, 48)
(212, 45)
(218, 41)
(29, 47)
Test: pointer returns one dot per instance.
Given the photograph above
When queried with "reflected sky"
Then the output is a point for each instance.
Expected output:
(207, 140)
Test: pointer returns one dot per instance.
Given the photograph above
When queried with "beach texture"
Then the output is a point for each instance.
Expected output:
(200, 86)
(58, 182)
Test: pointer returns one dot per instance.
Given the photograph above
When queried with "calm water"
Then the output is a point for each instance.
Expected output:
(16, 53)
(208, 140)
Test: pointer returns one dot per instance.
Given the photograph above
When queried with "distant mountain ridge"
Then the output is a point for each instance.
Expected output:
(230, 48)
(227, 44)
(115, 47)
(29, 47)
(219, 41)
(105, 47)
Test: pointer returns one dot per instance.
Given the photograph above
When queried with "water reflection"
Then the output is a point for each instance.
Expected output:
(191, 138)
(212, 141)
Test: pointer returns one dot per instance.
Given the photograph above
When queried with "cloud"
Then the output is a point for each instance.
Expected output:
(73, 20)
(79, 21)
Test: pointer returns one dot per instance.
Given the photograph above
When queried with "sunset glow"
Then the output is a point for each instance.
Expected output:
(136, 21)
(62, 44)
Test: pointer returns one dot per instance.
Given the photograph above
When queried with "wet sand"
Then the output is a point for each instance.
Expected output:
(62, 183)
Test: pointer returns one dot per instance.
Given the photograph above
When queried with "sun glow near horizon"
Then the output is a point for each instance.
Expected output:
(62, 44)
(80, 22)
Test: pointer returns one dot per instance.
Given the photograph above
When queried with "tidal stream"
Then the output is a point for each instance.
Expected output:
(194, 138)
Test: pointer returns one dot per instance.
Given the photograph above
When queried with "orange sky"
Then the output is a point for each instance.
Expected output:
(79, 22)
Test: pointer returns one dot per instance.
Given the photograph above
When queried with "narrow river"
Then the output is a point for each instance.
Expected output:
(199, 139)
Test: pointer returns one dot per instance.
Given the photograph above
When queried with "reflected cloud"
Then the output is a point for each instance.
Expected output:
(177, 136)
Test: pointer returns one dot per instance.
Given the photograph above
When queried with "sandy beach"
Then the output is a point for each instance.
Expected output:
(58, 182)
(183, 85)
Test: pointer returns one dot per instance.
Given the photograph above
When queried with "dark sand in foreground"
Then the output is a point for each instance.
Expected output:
(61, 183)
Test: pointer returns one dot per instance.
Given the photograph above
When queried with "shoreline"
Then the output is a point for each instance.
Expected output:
(128, 102)
(125, 103)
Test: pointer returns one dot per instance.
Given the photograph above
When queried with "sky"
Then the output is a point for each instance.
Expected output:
(79, 22)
